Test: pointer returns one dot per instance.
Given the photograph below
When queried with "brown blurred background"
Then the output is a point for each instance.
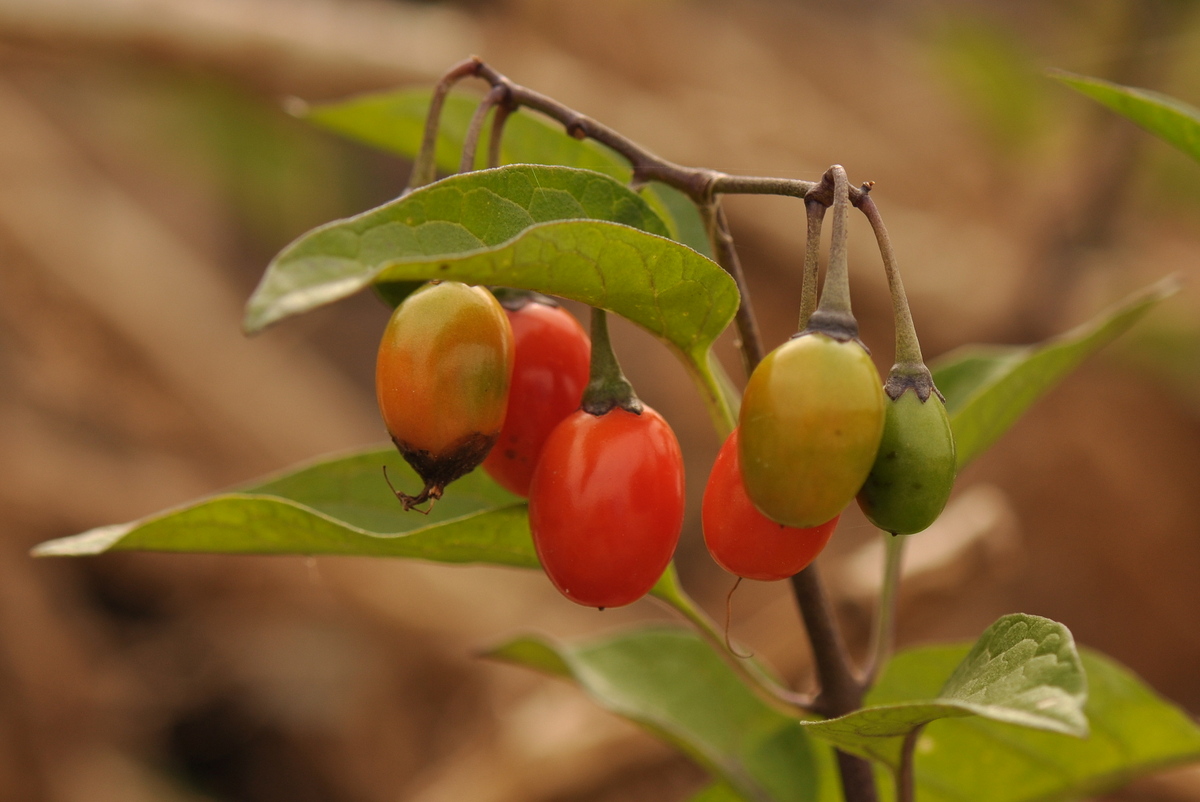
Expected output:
(148, 172)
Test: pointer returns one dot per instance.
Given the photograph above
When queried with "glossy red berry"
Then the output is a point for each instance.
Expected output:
(741, 539)
(606, 505)
(550, 372)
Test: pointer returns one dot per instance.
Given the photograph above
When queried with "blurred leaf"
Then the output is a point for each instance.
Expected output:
(674, 684)
(337, 506)
(1167, 118)
(1133, 732)
(995, 79)
(1023, 670)
(395, 121)
(988, 388)
(718, 792)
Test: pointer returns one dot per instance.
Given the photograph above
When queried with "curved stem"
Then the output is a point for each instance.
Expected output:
(495, 96)
(835, 298)
(607, 386)
(908, 348)
(424, 169)
(763, 685)
(717, 225)
(883, 633)
(815, 213)
(503, 111)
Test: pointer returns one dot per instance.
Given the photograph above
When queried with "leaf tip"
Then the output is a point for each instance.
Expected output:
(93, 541)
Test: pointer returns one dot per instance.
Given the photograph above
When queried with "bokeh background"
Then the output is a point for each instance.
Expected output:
(148, 171)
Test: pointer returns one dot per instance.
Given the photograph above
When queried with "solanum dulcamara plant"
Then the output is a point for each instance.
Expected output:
(517, 440)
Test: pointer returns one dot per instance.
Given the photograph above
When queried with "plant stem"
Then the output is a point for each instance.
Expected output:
(764, 686)
(841, 690)
(503, 111)
(883, 634)
(607, 385)
(495, 96)
(909, 370)
(717, 225)
(906, 790)
(815, 212)
(425, 165)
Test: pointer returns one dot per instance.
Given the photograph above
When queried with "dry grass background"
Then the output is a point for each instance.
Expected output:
(147, 172)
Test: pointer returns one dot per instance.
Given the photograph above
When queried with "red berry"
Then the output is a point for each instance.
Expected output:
(550, 372)
(606, 505)
(741, 539)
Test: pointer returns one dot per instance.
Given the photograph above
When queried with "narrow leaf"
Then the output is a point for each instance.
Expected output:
(395, 122)
(671, 682)
(1134, 732)
(1023, 670)
(338, 506)
(988, 388)
(1167, 118)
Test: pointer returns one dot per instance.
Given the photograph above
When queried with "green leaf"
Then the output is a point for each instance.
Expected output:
(1133, 732)
(338, 506)
(1023, 670)
(461, 215)
(490, 227)
(673, 683)
(1167, 118)
(988, 388)
(395, 122)
(718, 792)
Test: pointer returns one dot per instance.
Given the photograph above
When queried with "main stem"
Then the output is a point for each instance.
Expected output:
(841, 689)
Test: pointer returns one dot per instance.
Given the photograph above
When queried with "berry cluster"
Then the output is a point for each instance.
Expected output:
(514, 384)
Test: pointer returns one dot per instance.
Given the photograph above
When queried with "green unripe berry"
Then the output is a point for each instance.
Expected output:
(810, 424)
(914, 470)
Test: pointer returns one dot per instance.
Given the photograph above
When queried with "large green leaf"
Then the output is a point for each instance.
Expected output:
(988, 388)
(338, 506)
(1023, 670)
(490, 227)
(463, 214)
(395, 121)
(1165, 117)
(673, 683)
(1133, 732)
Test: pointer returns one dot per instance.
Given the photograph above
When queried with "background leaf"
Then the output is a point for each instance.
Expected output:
(673, 683)
(395, 122)
(1167, 118)
(338, 506)
(1023, 670)
(988, 388)
(1133, 732)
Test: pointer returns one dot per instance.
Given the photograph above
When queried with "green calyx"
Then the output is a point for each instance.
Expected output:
(913, 474)
(607, 386)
